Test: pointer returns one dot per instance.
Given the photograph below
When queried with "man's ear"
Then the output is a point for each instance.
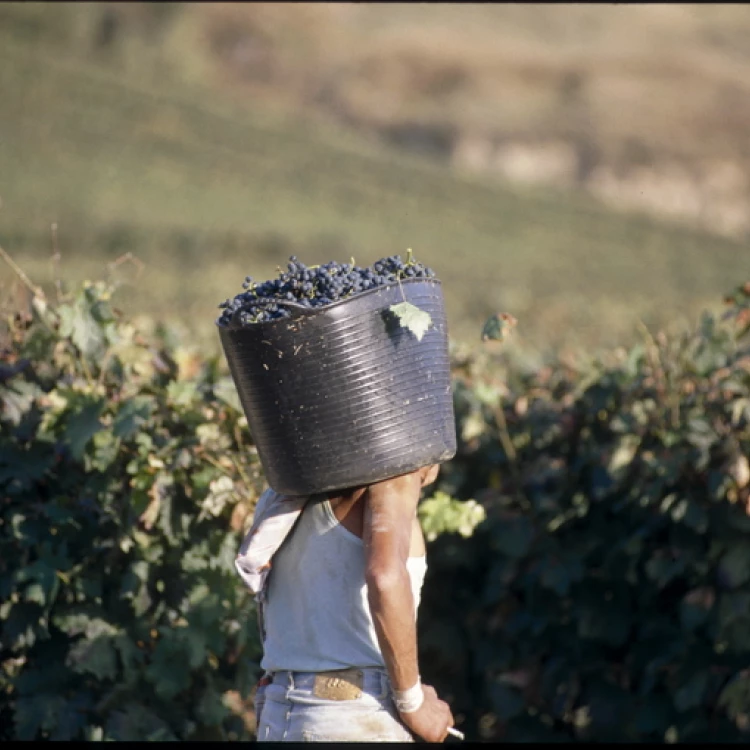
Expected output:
(429, 474)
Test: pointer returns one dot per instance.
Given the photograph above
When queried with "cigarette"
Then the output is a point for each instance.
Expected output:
(456, 733)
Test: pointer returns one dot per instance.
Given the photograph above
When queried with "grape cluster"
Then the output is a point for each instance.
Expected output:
(314, 286)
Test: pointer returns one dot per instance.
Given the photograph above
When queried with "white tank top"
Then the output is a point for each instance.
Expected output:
(317, 615)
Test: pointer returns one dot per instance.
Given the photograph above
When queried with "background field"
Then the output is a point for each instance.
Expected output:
(157, 139)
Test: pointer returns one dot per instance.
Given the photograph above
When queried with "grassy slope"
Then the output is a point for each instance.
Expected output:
(507, 68)
(204, 192)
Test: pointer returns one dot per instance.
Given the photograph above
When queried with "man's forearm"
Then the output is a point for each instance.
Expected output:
(392, 607)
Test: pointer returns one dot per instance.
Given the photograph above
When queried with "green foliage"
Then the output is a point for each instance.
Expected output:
(125, 482)
(594, 588)
(442, 514)
(606, 597)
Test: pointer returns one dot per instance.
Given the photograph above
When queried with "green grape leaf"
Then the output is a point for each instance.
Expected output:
(498, 327)
(16, 399)
(133, 415)
(82, 425)
(169, 670)
(96, 656)
(411, 317)
(83, 329)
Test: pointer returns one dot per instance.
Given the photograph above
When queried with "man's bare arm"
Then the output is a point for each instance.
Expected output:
(390, 509)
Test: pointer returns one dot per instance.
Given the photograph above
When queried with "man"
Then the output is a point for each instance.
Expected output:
(339, 619)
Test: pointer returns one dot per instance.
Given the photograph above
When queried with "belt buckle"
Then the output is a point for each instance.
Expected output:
(339, 684)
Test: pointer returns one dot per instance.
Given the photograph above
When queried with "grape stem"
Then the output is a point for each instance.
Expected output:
(403, 296)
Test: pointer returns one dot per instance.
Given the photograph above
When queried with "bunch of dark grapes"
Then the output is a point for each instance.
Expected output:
(314, 286)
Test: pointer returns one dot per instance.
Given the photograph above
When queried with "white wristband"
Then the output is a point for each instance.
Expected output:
(409, 701)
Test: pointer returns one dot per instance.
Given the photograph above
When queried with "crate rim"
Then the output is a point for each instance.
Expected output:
(305, 312)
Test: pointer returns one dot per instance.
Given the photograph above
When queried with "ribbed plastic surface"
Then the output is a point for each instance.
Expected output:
(343, 396)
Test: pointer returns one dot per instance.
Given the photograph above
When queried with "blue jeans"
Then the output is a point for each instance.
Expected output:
(288, 710)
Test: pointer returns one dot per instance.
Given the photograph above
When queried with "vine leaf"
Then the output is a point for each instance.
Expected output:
(411, 317)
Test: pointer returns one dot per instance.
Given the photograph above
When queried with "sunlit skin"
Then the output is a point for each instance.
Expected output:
(384, 516)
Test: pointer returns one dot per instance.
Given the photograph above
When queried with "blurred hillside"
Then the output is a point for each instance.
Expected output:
(642, 106)
(215, 140)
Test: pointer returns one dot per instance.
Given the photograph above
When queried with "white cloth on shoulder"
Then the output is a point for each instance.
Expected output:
(274, 517)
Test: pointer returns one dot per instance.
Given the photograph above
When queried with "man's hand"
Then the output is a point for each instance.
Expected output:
(432, 719)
